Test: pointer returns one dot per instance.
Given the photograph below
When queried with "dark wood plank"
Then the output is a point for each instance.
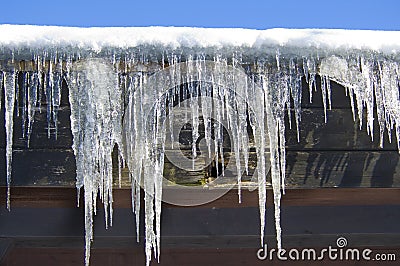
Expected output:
(343, 169)
(208, 241)
(40, 167)
(6, 245)
(340, 132)
(177, 256)
(304, 169)
(49, 197)
(306, 197)
(39, 138)
(311, 169)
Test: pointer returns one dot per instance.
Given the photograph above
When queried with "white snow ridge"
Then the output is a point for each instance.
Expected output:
(124, 82)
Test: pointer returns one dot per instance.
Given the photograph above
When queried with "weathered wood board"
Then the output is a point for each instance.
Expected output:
(332, 154)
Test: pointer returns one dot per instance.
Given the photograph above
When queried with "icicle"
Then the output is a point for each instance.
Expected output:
(32, 102)
(161, 132)
(232, 116)
(329, 93)
(311, 68)
(273, 132)
(139, 146)
(369, 96)
(172, 61)
(24, 102)
(48, 81)
(379, 97)
(133, 139)
(277, 58)
(39, 72)
(9, 100)
(56, 94)
(96, 118)
(218, 113)
(257, 117)
(351, 95)
(305, 70)
(236, 112)
(242, 107)
(296, 91)
(206, 108)
(324, 80)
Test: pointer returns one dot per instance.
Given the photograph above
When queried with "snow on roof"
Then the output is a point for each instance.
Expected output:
(96, 39)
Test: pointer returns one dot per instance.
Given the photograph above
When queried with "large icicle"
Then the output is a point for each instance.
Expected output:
(96, 122)
(9, 99)
(271, 88)
(256, 101)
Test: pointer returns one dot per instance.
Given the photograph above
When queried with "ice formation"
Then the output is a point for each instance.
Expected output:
(125, 82)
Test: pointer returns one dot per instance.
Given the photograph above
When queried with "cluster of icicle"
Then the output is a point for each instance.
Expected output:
(117, 100)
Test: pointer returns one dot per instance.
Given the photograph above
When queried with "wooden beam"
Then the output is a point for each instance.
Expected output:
(48, 197)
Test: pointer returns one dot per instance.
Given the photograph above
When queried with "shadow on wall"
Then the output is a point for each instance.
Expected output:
(338, 153)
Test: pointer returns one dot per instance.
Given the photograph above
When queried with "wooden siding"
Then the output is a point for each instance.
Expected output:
(332, 154)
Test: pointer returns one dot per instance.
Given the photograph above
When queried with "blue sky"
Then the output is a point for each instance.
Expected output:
(256, 14)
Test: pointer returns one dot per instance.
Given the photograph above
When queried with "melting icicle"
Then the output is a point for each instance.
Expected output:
(24, 101)
(56, 94)
(312, 84)
(96, 119)
(9, 100)
(324, 81)
(295, 90)
(271, 88)
(32, 102)
(257, 118)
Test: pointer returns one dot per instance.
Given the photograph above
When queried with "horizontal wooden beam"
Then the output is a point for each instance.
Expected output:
(48, 197)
